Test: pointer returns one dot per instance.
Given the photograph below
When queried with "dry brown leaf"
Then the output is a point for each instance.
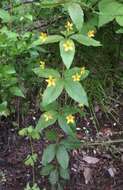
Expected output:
(90, 160)
(112, 171)
(87, 174)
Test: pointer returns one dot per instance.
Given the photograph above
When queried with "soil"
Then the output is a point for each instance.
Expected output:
(106, 174)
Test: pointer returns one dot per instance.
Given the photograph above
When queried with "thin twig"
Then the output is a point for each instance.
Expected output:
(102, 142)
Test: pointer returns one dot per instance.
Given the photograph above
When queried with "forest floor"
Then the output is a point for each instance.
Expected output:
(91, 168)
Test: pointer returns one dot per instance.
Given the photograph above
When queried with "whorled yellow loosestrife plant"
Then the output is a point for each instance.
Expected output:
(61, 86)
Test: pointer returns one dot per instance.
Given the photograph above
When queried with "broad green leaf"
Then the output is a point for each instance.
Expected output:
(85, 40)
(35, 43)
(16, 91)
(5, 16)
(69, 73)
(54, 177)
(67, 56)
(10, 34)
(51, 4)
(67, 109)
(7, 70)
(76, 92)
(52, 106)
(71, 143)
(64, 126)
(49, 154)
(119, 18)
(3, 109)
(64, 173)
(45, 73)
(51, 135)
(90, 24)
(42, 123)
(62, 157)
(47, 169)
(120, 31)
(76, 14)
(53, 92)
(108, 10)
(52, 39)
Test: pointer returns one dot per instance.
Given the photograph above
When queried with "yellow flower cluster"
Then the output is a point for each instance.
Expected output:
(77, 76)
(82, 71)
(42, 64)
(43, 36)
(69, 26)
(91, 33)
(68, 45)
(48, 117)
(51, 81)
(70, 119)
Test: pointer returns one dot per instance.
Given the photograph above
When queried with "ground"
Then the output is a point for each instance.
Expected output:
(105, 173)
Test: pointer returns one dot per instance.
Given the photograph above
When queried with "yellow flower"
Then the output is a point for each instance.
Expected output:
(91, 33)
(76, 77)
(43, 36)
(69, 26)
(51, 81)
(42, 64)
(68, 45)
(82, 71)
(48, 116)
(70, 119)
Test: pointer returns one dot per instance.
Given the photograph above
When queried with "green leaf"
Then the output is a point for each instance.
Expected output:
(10, 35)
(49, 154)
(53, 178)
(85, 40)
(120, 31)
(53, 92)
(64, 126)
(3, 109)
(71, 143)
(62, 157)
(69, 73)
(42, 123)
(64, 173)
(67, 109)
(52, 106)
(4, 15)
(76, 14)
(51, 135)
(108, 10)
(7, 70)
(45, 73)
(52, 39)
(67, 56)
(35, 43)
(76, 92)
(119, 18)
(16, 91)
(30, 160)
(47, 169)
